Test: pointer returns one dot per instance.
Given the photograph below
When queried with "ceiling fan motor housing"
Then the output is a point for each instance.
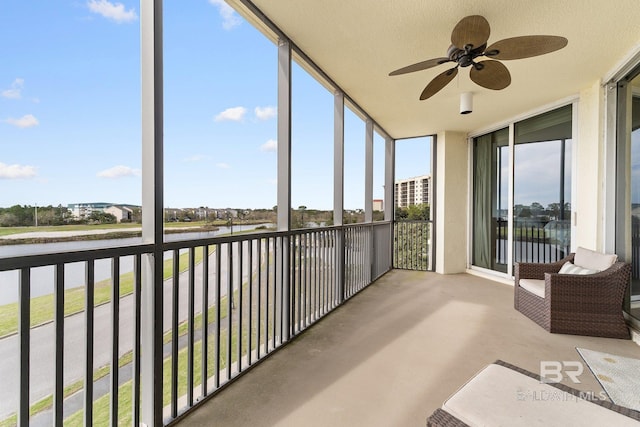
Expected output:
(465, 57)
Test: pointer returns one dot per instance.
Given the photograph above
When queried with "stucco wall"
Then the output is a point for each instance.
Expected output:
(451, 204)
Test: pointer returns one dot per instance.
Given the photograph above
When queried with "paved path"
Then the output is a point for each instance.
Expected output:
(43, 338)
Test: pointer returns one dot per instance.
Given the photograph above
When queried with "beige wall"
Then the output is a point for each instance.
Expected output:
(589, 169)
(451, 203)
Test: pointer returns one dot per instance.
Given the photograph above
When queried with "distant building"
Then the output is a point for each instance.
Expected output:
(413, 191)
(121, 212)
(378, 205)
(83, 210)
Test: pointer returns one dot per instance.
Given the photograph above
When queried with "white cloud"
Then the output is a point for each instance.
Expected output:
(16, 171)
(223, 165)
(235, 114)
(270, 145)
(230, 18)
(23, 122)
(266, 113)
(272, 181)
(113, 11)
(118, 172)
(14, 92)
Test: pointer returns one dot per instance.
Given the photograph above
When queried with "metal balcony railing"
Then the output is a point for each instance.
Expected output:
(412, 246)
(534, 241)
(227, 303)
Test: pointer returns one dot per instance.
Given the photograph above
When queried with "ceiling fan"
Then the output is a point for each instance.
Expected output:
(469, 42)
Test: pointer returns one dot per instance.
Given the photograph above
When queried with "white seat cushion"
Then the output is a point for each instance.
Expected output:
(593, 260)
(535, 286)
(499, 396)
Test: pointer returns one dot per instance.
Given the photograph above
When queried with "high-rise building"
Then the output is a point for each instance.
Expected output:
(413, 191)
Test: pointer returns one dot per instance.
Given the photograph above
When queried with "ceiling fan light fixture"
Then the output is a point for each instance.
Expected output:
(466, 103)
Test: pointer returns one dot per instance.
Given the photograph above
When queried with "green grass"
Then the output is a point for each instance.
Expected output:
(101, 407)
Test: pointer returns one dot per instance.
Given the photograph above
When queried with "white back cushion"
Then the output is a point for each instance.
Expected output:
(569, 268)
(593, 260)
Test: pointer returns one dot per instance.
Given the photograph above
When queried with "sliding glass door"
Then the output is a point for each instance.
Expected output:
(628, 182)
(540, 175)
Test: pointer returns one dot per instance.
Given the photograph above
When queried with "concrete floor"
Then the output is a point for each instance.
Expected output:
(393, 354)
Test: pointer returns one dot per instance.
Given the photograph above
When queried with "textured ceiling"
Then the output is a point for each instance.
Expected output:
(357, 43)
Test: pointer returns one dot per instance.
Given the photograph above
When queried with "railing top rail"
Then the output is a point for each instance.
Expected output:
(413, 221)
(41, 260)
(45, 259)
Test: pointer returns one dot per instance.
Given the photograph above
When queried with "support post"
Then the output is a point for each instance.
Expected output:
(284, 175)
(338, 190)
(152, 210)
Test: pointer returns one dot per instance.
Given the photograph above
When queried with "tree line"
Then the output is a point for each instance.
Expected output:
(25, 216)
(419, 212)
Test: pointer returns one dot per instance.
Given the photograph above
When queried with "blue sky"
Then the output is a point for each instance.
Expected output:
(70, 111)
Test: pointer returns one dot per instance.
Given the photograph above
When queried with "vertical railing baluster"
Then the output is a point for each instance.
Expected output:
(316, 249)
(299, 267)
(218, 369)
(24, 331)
(266, 295)
(259, 298)
(277, 268)
(250, 287)
(191, 326)
(305, 271)
(88, 368)
(230, 307)
(58, 395)
(115, 334)
(286, 313)
(240, 303)
(205, 320)
(174, 331)
(137, 297)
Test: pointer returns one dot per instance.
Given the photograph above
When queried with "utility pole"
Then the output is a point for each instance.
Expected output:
(36, 216)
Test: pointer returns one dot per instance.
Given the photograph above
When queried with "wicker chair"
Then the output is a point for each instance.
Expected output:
(575, 304)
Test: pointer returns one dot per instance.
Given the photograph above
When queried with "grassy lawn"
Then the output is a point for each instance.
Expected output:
(101, 406)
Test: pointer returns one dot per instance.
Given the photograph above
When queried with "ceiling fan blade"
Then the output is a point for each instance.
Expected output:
(525, 47)
(439, 81)
(493, 75)
(473, 30)
(429, 63)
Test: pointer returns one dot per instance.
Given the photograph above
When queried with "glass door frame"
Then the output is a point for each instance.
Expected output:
(620, 97)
